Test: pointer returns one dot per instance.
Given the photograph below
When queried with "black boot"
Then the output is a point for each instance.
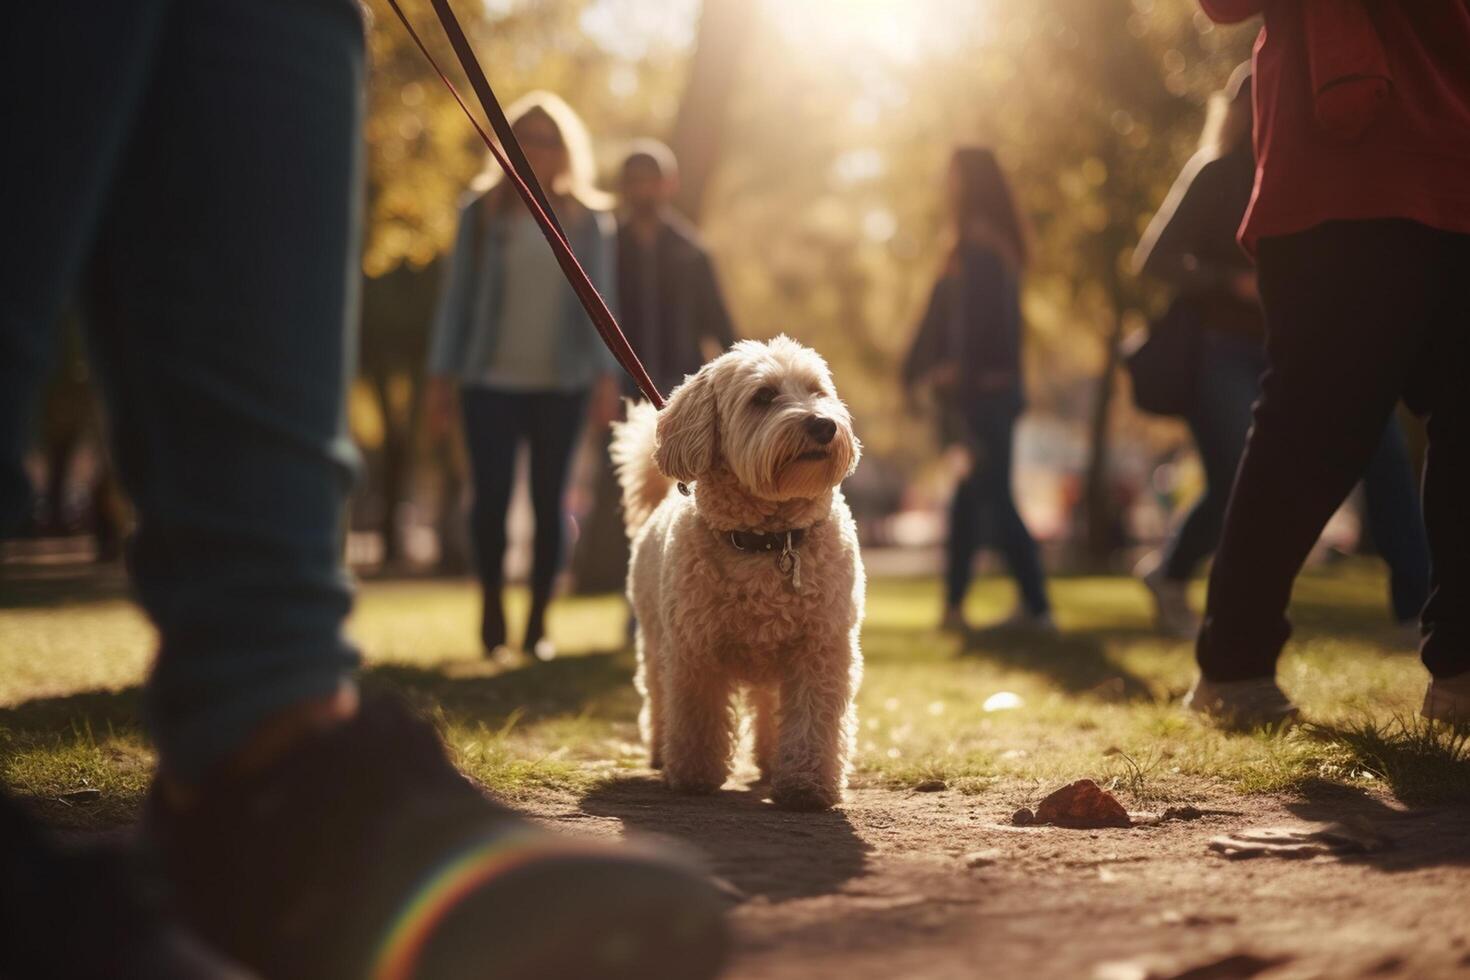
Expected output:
(492, 625)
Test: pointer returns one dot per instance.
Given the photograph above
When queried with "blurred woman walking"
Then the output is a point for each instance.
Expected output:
(512, 341)
(968, 349)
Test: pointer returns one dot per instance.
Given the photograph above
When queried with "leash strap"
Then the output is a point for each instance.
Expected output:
(518, 171)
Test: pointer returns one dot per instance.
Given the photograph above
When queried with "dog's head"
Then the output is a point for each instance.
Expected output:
(769, 412)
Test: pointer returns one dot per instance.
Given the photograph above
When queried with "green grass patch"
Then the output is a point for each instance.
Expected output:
(1005, 717)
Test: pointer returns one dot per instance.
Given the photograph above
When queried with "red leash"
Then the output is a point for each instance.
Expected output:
(523, 179)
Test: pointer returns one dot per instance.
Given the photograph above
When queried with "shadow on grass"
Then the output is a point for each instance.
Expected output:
(1423, 764)
(595, 684)
(1077, 662)
(61, 762)
(73, 716)
(761, 850)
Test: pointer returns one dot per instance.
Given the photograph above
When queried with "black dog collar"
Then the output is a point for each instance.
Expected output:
(786, 545)
(774, 541)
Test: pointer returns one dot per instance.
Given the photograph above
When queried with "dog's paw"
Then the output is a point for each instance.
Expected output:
(802, 795)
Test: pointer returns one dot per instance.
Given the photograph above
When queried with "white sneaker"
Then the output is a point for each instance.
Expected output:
(1243, 705)
(1172, 615)
(1448, 700)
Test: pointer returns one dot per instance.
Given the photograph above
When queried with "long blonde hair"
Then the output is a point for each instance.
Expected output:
(1228, 116)
(578, 180)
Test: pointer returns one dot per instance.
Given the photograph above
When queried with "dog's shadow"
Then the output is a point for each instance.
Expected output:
(746, 840)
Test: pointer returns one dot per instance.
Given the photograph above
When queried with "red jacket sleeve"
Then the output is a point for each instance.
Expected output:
(1231, 11)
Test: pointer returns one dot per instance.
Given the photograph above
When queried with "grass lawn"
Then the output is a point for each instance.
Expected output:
(1098, 701)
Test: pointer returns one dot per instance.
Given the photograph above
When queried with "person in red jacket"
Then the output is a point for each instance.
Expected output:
(1360, 226)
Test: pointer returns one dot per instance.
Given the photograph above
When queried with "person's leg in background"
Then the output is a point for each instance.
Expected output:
(494, 422)
(1230, 373)
(69, 911)
(1439, 389)
(960, 545)
(52, 210)
(1396, 523)
(553, 431)
(995, 433)
(1347, 305)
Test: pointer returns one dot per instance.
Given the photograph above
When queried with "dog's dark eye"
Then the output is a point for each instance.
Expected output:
(764, 396)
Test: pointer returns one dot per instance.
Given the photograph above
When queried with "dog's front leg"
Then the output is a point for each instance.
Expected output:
(697, 726)
(817, 725)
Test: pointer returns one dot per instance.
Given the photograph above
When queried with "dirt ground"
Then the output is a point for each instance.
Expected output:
(883, 888)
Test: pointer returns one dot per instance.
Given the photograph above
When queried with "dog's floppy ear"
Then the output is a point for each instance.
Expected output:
(687, 436)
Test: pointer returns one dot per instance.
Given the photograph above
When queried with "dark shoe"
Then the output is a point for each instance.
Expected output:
(492, 623)
(88, 912)
(365, 853)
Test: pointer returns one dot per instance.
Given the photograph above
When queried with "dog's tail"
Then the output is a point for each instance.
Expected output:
(644, 487)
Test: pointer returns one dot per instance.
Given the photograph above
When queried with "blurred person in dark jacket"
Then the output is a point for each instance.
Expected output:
(674, 315)
(968, 348)
(670, 302)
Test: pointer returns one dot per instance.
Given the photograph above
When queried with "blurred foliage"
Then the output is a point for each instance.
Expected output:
(825, 209)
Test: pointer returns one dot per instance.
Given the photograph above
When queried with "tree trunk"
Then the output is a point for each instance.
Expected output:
(725, 28)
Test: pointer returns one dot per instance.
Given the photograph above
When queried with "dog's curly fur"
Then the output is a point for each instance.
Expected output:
(713, 620)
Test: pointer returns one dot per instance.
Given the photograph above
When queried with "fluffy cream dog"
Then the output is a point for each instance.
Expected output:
(753, 580)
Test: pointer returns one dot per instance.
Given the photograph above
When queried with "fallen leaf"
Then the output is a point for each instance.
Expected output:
(1297, 841)
(1082, 805)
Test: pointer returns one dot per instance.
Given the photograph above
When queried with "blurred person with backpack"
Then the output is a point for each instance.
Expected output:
(1359, 222)
(1204, 359)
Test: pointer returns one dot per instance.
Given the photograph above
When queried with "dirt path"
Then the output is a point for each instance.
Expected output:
(883, 888)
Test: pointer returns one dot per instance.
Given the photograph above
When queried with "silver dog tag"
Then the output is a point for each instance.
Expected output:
(790, 563)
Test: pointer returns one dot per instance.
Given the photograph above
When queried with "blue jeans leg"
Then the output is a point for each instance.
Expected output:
(984, 500)
(1397, 523)
(220, 285)
(51, 207)
(1230, 373)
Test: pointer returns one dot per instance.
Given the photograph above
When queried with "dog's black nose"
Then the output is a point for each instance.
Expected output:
(821, 429)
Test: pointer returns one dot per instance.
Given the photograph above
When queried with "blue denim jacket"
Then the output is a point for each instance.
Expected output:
(467, 322)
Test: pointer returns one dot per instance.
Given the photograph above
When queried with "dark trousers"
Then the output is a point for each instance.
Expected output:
(193, 169)
(1230, 372)
(1359, 315)
(495, 424)
(983, 511)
